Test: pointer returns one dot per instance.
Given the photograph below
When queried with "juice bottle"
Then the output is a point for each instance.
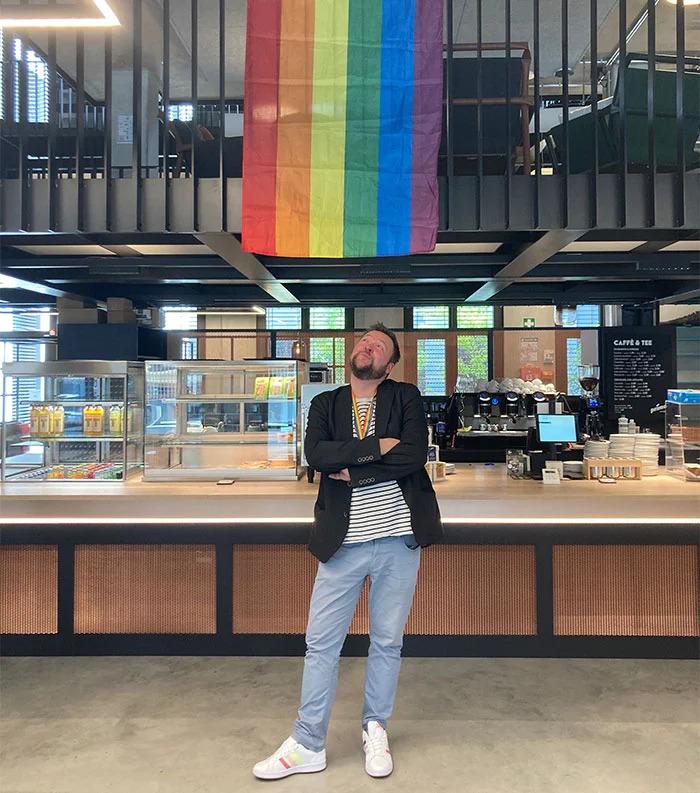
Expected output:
(86, 420)
(99, 418)
(44, 421)
(34, 420)
(115, 420)
(59, 420)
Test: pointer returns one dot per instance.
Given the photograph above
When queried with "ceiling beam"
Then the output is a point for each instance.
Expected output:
(539, 251)
(41, 288)
(230, 250)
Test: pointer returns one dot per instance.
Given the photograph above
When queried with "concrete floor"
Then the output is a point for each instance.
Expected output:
(189, 725)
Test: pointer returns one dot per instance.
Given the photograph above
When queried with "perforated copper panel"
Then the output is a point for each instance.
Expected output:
(626, 590)
(28, 589)
(485, 590)
(145, 589)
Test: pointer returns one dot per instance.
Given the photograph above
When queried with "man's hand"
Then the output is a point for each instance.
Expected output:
(343, 476)
(387, 444)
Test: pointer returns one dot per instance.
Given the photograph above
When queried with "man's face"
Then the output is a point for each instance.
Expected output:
(370, 358)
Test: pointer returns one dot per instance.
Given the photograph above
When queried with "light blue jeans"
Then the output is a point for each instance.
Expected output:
(392, 567)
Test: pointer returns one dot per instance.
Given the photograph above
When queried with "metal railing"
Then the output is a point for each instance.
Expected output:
(534, 136)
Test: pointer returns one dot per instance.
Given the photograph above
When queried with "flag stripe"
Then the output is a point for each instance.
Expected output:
(396, 129)
(328, 128)
(260, 124)
(362, 129)
(294, 127)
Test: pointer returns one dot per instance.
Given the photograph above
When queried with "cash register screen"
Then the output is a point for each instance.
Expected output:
(558, 428)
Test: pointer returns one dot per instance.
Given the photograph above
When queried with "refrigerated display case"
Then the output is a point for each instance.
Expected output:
(214, 420)
(72, 420)
(683, 434)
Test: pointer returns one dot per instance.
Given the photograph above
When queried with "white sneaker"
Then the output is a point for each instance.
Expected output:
(375, 743)
(290, 758)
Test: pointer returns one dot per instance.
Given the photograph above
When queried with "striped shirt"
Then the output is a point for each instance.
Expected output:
(375, 510)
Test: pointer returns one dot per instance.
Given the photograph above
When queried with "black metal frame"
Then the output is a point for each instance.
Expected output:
(544, 645)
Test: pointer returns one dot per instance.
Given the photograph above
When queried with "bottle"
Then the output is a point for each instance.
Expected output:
(632, 427)
(34, 420)
(59, 420)
(86, 420)
(115, 420)
(623, 425)
(99, 418)
(44, 421)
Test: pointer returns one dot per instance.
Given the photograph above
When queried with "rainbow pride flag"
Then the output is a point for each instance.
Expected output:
(342, 123)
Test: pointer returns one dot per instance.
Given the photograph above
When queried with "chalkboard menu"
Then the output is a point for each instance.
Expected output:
(638, 367)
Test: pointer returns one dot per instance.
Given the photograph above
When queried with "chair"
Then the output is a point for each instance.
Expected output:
(499, 76)
(610, 123)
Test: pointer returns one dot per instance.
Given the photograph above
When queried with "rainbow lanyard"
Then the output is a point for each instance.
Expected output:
(362, 426)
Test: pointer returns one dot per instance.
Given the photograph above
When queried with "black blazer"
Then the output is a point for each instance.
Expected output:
(330, 446)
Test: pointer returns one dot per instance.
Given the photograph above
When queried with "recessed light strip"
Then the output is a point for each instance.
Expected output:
(108, 19)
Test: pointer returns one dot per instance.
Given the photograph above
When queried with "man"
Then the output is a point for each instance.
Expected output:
(375, 509)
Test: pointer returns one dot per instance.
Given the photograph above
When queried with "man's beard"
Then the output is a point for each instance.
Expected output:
(366, 372)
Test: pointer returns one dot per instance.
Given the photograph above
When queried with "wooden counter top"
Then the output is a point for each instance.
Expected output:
(475, 493)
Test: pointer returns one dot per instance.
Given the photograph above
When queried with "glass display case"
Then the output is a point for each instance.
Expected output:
(213, 420)
(68, 420)
(683, 434)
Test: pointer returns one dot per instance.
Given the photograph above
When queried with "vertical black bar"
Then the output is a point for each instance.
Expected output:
(107, 153)
(509, 152)
(594, 113)
(222, 109)
(449, 113)
(621, 99)
(195, 115)
(23, 111)
(536, 71)
(224, 587)
(479, 114)
(166, 110)
(565, 109)
(545, 590)
(137, 112)
(80, 124)
(651, 143)
(66, 590)
(51, 139)
(680, 149)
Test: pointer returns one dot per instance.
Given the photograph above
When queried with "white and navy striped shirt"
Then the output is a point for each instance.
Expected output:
(376, 510)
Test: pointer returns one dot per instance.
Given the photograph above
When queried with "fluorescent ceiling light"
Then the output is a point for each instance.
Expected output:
(66, 250)
(609, 246)
(173, 250)
(684, 245)
(685, 2)
(30, 17)
(467, 247)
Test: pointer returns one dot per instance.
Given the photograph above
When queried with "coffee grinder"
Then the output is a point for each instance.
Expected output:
(591, 407)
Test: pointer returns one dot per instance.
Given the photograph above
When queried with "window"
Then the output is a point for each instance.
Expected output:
(580, 316)
(474, 316)
(37, 78)
(327, 318)
(184, 318)
(180, 318)
(181, 112)
(573, 361)
(283, 318)
(431, 366)
(331, 351)
(17, 401)
(473, 356)
(283, 348)
(431, 317)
